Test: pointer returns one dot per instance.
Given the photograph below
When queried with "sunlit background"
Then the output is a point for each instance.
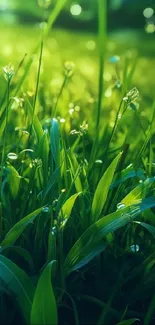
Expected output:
(83, 13)
(131, 30)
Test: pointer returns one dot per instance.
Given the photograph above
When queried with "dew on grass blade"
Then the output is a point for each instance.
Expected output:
(125, 99)
(120, 206)
(12, 156)
(25, 133)
(62, 120)
(129, 166)
(134, 248)
(63, 223)
(118, 83)
(54, 231)
(54, 204)
(98, 161)
(114, 59)
(46, 209)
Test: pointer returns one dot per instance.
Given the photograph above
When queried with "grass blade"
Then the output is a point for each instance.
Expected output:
(44, 310)
(128, 321)
(55, 141)
(91, 243)
(19, 227)
(19, 284)
(101, 192)
(67, 208)
(138, 193)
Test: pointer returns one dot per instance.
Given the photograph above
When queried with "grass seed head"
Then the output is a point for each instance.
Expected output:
(8, 72)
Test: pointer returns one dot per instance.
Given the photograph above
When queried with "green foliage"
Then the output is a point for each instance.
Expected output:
(19, 227)
(76, 187)
(129, 321)
(17, 283)
(101, 192)
(44, 310)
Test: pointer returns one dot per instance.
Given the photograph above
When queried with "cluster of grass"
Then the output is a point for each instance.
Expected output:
(77, 223)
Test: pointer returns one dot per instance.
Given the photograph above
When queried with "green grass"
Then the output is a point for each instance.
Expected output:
(77, 222)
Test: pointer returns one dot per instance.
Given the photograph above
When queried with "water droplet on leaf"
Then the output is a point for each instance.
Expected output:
(54, 231)
(12, 156)
(46, 209)
(120, 206)
(134, 248)
(98, 161)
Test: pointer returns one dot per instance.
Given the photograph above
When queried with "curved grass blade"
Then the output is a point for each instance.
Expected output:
(44, 309)
(92, 242)
(128, 321)
(55, 141)
(125, 174)
(67, 209)
(13, 180)
(54, 14)
(75, 169)
(20, 252)
(19, 284)
(53, 180)
(19, 227)
(43, 153)
(150, 228)
(138, 193)
(150, 312)
(101, 192)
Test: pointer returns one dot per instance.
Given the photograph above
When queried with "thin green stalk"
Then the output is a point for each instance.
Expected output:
(102, 33)
(113, 131)
(16, 72)
(37, 85)
(1, 222)
(59, 95)
(53, 16)
(38, 74)
(102, 26)
(150, 312)
(6, 119)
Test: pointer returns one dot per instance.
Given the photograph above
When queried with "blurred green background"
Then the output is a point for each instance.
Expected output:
(81, 13)
(131, 32)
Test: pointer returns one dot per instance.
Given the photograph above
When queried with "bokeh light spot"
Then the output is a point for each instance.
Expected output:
(150, 28)
(91, 45)
(75, 9)
(148, 12)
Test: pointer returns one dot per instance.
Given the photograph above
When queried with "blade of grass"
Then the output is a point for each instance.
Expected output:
(102, 32)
